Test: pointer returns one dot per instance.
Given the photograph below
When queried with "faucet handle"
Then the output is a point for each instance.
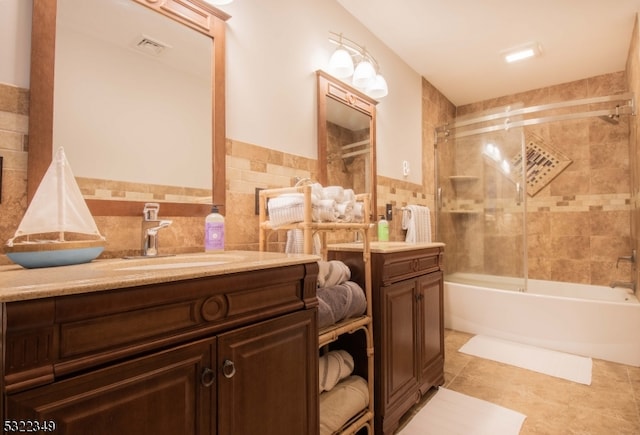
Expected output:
(151, 210)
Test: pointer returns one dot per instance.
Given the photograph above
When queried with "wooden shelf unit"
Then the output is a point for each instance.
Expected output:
(364, 323)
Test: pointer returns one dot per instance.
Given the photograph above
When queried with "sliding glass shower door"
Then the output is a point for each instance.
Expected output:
(481, 201)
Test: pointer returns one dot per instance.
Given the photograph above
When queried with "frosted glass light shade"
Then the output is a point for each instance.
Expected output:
(363, 74)
(341, 64)
(377, 87)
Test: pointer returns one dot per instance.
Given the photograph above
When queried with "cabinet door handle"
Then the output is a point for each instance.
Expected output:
(228, 369)
(207, 377)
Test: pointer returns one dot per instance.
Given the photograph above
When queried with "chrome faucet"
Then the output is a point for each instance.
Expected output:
(151, 225)
(626, 284)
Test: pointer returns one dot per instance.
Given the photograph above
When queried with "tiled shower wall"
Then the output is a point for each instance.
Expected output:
(578, 225)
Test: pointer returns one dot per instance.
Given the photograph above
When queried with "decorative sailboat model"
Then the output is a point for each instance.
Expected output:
(57, 212)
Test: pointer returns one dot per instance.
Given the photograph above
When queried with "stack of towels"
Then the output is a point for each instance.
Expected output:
(338, 298)
(329, 204)
(343, 395)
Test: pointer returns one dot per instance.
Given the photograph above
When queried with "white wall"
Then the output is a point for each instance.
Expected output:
(15, 42)
(274, 48)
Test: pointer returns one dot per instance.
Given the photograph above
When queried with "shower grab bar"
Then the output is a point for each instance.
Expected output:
(519, 194)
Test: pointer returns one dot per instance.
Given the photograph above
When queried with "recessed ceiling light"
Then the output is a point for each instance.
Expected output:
(522, 52)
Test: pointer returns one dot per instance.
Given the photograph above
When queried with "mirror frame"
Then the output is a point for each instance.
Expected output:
(195, 14)
(330, 87)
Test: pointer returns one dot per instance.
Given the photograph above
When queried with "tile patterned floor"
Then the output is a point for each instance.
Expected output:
(609, 406)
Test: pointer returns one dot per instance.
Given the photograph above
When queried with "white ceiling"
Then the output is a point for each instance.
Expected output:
(456, 44)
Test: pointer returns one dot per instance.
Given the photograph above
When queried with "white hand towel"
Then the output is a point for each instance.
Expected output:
(295, 243)
(416, 219)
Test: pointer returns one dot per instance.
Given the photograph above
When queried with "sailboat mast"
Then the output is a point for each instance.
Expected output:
(61, 193)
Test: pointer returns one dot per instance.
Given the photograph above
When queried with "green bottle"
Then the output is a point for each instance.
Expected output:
(383, 229)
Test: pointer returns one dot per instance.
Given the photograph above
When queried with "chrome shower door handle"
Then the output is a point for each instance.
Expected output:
(519, 194)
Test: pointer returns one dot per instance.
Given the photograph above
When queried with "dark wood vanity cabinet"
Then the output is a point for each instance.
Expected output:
(408, 328)
(223, 355)
(168, 392)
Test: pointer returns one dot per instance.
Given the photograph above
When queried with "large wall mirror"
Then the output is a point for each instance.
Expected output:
(346, 137)
(134, 92)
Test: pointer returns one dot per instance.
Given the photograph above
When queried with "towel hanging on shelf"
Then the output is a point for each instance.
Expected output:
(416, 220)
(295, 243)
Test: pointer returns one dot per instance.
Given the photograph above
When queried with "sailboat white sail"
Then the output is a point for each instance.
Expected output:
(57, 207)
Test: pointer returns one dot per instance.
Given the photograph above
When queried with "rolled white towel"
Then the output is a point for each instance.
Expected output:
(345, 211)
(349, 195)
(332, 272)
(334, 366)
(317, 190)
(324, 210)
(358, 212)
(333, 192)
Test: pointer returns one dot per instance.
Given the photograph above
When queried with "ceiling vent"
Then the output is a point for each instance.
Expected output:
(150, 46)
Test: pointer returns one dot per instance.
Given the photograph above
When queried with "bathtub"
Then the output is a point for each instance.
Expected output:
(595, 321)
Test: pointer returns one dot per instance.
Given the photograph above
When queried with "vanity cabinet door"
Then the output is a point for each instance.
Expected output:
(431, 327)
(268, 382)
(169, 392)
(398, 340)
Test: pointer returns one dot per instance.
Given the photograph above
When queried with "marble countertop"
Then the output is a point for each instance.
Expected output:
(384, 247)
(17, 283)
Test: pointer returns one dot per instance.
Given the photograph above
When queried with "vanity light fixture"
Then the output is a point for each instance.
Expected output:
(341, 63)
(366, 75)
(523, 52)
(377, 88)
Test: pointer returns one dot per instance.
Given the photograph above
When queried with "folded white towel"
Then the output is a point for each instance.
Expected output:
(286, 209)
(358, 212)
(416, 219)
(341, 403)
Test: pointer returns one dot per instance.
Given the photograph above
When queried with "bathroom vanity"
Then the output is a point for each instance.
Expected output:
(408, 324)
(193, 344)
